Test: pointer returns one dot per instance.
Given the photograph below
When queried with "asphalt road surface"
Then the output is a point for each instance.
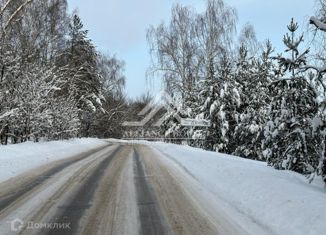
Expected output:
(116, 189)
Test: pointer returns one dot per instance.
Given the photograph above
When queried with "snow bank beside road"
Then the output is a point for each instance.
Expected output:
(19, 158)
(254, 195)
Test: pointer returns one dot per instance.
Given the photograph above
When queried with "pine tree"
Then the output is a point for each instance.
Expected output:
(208, 94)
(289, 142)
(253, 75)
(219, 104)
(83, 82)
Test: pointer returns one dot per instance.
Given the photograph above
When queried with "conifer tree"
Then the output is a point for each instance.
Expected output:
(220, 101)
(253, 75)
(83, 82)
(289, 142)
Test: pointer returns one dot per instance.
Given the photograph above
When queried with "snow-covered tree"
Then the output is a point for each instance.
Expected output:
(171, 127)
(289, 142)
(248, 39)
(83, 82)
(254, 75)
(220, 101)
(108, 120)
(183, 49)
(51, 78)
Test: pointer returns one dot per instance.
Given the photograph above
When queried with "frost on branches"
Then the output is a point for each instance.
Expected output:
(290, 143)
(254, 75)
(51, 81)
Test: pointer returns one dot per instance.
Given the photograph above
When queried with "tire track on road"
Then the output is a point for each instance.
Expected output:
(40, 204)
(151, 220)
(28, 184)
(114, 210)
(125, 190)
(72, 212)
(181, 211)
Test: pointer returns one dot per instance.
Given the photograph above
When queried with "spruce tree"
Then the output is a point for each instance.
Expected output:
(289, 142)
(220, 101)
(207, 95)
(83, 82)
(253, 75)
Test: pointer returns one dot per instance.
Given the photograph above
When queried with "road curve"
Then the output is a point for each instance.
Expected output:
(115, 189)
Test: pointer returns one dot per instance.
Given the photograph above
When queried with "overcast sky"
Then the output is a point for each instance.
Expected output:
(119, 27)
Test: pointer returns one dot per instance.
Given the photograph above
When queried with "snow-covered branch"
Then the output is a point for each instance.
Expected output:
(318, 23)
(19, 9)
(5, 7)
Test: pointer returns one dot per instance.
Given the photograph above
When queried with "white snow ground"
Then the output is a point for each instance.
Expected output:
(19, 158)
(258, 197)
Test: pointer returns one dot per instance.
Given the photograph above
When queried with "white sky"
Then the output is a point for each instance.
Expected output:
(119, 27)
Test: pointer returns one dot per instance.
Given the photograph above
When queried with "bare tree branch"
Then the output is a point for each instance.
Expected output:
(19, 9)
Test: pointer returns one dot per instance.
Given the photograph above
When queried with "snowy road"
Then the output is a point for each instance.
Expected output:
(114, 189)
(118, 187)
